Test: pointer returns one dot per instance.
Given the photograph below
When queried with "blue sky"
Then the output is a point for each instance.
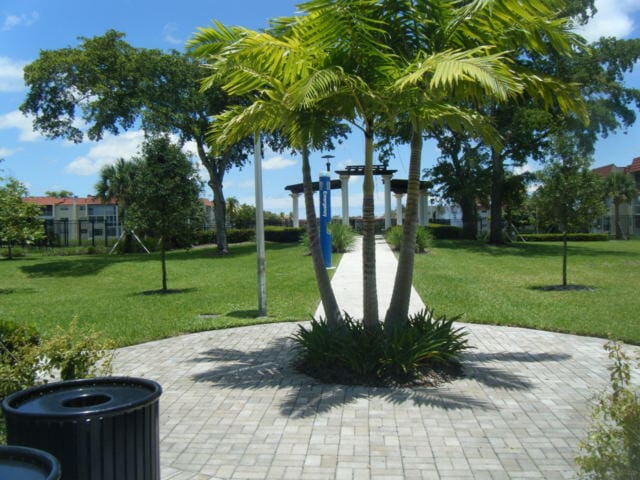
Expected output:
(28, 26)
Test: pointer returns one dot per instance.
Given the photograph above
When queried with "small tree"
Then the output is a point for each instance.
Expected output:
(621, 188)
(570, 197)
(165, 202)
(59, 193)
(19, 221)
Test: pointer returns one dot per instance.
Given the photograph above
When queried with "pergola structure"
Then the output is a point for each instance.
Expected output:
(397, 187)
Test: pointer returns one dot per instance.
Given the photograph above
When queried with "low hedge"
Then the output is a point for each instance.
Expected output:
(557, 237)
(239, 235)
(444, 232)
(283, 234)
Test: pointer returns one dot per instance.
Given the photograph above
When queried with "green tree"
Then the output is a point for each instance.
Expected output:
(621, 188)
(19, 221)
(570, 197)
(110, 85)
(59, 193)
(166, 193)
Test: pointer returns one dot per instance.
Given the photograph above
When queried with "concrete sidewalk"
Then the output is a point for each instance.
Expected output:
(347, 281)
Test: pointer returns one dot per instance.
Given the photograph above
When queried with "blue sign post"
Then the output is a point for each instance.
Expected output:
(325, 217)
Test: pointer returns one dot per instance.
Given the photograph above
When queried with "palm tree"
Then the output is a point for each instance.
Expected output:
(232, 208)
(621, 188)
(117, 182)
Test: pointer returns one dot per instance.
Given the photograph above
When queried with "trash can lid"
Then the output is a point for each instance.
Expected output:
(84, 398)
(22, 463)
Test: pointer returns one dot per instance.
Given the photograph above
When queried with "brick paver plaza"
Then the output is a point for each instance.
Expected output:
(234, 408)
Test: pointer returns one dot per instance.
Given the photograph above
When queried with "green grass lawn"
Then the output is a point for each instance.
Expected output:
(496, 285)
(111, 292)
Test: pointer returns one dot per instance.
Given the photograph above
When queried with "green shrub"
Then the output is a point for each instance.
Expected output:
(443, 232)
(283, 234)
(73, 352)
(239, 235)
(395, 234)
(342, 237)
(351, 354)
(77, 352)
(611, 450)
(16, 252)
(557, 237)
(18, 356)
(205, 237)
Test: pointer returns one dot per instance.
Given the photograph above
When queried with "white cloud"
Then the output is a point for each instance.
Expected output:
(11, 75)
(614, 19)
(278, 163)
(22, 20)
(106, 152)
(7, 152)
(169, 31)
(21, 122)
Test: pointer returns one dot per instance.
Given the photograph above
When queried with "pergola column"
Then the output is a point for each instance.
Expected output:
(296, 218)
(399, 208)
(344, 187)
(387, 201)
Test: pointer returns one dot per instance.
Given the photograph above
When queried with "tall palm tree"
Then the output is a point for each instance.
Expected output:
(621, 188)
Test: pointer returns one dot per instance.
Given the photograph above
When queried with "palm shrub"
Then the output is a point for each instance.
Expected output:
(342, 237)
(424, 239)
(611, 450)
(352, 354)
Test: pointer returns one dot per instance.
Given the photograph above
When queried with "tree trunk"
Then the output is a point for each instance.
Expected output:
(163, 258)
(616, 219)
(496, 236)
(327, 297)
(219, 205)
(398, 312)
(564, 258)
(370, 292)
(469, 218)
(9, 251)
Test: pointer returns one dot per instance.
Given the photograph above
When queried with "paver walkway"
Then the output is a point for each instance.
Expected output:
(233, 408)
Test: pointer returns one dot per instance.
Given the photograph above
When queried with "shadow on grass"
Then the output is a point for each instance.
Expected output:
(169, 291)
(530, 249)
(80, 266)
(243, 314)
(270, 366)
(9, 291)
(563, 288)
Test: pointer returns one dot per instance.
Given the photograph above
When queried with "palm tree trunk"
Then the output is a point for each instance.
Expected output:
(497, 189)
(163, 258)
(616, 219)
(564, 258)
(219, 206)
(370, 292)
(398, 312)
(327, 297)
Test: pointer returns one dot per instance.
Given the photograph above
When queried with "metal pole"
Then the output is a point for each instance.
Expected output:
(262, 278)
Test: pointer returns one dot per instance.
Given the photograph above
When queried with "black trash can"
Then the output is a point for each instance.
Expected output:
(99, 428)
(22, 463)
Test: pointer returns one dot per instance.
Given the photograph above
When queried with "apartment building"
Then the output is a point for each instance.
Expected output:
(629, 212)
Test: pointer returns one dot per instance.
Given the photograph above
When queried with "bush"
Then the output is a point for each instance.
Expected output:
(557, 237)
(77, 352)
(342, 237)
(73, 352)
(283, 234)
(611, 450)
(350, 354)
(239, 235)
(18, 356)
(205, 237)
(443, 232)
(16, 252)
(395, 235)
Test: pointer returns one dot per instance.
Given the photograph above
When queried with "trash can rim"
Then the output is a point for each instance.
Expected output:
(32, 456)
(11, 403)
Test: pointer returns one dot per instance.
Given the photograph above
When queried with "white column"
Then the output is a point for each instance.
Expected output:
(387, 201)
(344, 187)
(294, 209)
(399, 208)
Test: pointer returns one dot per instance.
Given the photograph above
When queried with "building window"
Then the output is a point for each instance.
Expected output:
(97, 231)
(64, 209)
(47, 211)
